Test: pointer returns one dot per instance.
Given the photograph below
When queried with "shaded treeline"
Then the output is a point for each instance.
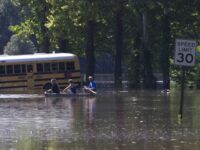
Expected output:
(138, 33)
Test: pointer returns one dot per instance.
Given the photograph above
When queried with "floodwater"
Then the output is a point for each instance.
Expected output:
(126, 120)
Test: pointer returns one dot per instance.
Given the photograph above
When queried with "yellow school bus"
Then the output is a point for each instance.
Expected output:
(32, 73)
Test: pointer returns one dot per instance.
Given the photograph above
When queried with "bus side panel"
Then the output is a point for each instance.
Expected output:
(13, 82)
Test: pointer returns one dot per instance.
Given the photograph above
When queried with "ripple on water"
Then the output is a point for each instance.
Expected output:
(110, 122)
(20, 96)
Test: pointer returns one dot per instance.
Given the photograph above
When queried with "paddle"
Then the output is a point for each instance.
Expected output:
(90, 90)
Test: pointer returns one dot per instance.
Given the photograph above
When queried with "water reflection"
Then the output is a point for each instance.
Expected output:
(121, 121)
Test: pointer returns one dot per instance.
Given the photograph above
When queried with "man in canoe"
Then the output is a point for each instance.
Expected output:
(91, 88)
(71, 88)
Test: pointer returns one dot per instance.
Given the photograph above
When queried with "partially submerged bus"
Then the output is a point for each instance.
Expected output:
(32, 73)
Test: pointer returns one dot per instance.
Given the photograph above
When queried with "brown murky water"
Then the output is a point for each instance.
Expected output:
(134, 120)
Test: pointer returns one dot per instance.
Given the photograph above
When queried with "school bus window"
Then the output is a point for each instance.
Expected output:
(23, 68)
(54, 67)
(47, 67)
(29, 68)
(17, 69)
(2, 70)
(9, 69)
(39, 67)
(70, 66)
(61, 66)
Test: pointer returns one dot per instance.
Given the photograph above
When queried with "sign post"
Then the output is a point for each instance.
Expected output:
(185, 57)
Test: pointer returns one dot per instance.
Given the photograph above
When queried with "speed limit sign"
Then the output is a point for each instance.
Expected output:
(185, 52)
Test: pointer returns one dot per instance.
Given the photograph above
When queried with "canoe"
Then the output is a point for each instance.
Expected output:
(69, 95)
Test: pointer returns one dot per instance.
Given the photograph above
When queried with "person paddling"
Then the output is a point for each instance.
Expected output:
(71, 88)
(91, 88)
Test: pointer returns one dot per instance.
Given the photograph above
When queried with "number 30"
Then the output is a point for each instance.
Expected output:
(188, 58)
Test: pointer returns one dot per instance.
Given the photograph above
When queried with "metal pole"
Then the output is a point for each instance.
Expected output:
(182, 92)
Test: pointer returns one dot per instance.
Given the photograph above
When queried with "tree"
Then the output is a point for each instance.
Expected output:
(145, 54)
(8, 16)
(119, 13)
(165, 47)
(65, 25)
(90, 15)
(17, 46)
(35, 19)
(90, 49)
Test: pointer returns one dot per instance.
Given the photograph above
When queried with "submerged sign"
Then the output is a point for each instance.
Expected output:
(185, 52)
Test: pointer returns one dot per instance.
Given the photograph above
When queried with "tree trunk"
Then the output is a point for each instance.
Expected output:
(45, 43)
(63, 45)
(165, 49)
(119, 46)
(137, 44)
(146, 58)
(90, 57)
(5, 34)
(33, 38)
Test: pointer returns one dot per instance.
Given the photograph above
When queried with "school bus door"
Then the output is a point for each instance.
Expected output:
(30, 79)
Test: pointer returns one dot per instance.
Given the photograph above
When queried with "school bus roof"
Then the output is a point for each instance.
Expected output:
(37, 57)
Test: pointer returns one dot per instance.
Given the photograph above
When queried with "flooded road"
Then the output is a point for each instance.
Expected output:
(134, 120)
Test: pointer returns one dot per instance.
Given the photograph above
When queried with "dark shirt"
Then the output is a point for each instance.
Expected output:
(73, 90)
(55, 88)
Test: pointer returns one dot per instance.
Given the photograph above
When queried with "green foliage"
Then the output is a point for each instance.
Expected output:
(8, 16)
(24, 29)
(18, 45)
(35, 15)
(64, 23)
